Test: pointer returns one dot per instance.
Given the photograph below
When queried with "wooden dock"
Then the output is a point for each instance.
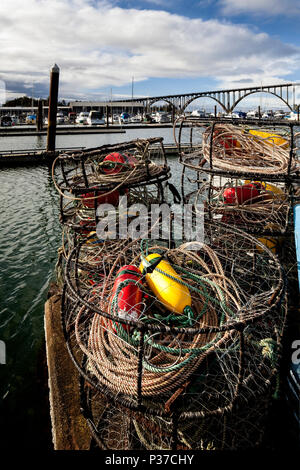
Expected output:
(69, 428)
(11, 158)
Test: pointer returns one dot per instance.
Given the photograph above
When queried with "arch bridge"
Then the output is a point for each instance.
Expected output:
(227, 99)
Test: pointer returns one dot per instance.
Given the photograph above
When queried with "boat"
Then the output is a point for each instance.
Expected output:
(268, 115)
(95, 118)
(5, 121)
(292, 116)
(199, 113)
(82, 118)
(124, 118)
(280, 114)
(115, 119)
(136, 118)
(161, 117)
(31, 119)
(14, 120)
(60, 119)
(254, 114)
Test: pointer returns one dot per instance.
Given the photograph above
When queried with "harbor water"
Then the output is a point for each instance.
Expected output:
(30, 236)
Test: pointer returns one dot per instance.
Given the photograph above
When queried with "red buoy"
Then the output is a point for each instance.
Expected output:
(228, 142)
(102, 198)
(116, 162)
(240, 194)
(128, 304)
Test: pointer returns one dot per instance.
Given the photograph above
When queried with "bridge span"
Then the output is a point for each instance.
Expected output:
(227, 99)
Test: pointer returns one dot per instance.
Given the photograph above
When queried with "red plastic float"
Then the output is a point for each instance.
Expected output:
(129, 301)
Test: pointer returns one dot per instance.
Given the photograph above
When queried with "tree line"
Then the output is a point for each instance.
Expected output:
(26, 101)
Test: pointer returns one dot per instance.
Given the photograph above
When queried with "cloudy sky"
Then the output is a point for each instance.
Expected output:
(162, 46)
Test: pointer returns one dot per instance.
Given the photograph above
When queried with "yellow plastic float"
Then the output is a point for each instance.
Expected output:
(270, 138)
(170, 292)
(271, 242)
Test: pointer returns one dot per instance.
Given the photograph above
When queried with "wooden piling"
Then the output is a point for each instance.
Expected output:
(53, 95)
(107, 116)
(39, 118)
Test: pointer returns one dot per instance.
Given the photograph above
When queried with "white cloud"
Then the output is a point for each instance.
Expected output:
(98, 46)
(257, 7)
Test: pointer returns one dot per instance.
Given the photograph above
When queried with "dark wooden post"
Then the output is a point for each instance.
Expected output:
(39, 120)
(215, 110)
(107, 116)
(53, 94)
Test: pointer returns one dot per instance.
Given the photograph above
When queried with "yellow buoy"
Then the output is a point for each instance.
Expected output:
(270, 138)
(271, 242)
(170, 291)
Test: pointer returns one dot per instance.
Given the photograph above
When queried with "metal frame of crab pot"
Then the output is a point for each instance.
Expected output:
(277, 225)
(73, 232)
(196, 150)
(79, 159)
(218, 432)
(138, 403)
(68, 215)
(156, 184)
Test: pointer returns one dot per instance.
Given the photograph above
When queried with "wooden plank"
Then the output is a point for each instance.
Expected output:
(69, 428)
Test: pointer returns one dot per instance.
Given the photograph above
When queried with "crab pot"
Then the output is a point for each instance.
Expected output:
(110, 167)
(115, 427)
(240, 149)
(254, 205)
(190, 421)
(100, 247)
(79, 211)
(174, 330)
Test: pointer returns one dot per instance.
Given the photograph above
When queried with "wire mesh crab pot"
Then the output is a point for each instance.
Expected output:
(193, 352)
(102, 173)
(80, 222)
(240, 149)
(116, 176)
(136, 169)
(256, 206)
(115, 427)
(81, 213)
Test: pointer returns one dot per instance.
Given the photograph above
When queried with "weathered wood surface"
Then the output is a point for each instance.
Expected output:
(69, 428)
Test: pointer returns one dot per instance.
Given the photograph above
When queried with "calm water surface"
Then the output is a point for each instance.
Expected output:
(30, 235)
